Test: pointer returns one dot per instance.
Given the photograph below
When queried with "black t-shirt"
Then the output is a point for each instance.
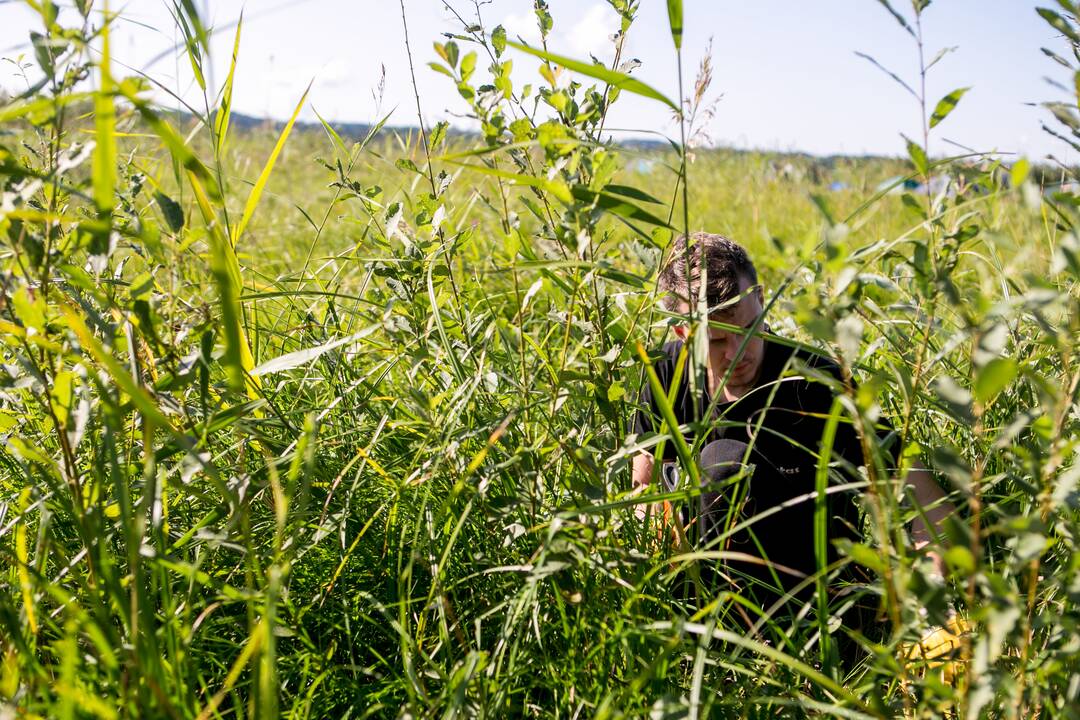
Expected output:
(782, 419)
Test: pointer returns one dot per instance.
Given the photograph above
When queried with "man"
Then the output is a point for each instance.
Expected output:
(765, 409)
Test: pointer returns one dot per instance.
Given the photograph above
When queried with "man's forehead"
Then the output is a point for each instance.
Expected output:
(747, 304)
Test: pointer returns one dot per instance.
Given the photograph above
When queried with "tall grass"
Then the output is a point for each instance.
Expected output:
(295, 424)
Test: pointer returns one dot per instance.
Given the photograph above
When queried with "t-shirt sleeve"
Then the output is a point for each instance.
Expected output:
(846, 445)
(888, 442)
(644, 412)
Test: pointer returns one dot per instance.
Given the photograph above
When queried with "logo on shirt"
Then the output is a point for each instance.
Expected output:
(789, 471)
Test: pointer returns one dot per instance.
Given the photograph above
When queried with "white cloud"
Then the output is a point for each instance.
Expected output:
(591, 35)
(335, 73)
(522, 25)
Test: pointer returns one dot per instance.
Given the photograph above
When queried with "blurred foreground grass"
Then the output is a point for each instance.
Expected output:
(355, 443)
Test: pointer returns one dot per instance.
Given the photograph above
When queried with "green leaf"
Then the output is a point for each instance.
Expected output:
(43, 53)
(631, 192)
(960, 560)
(862, 554)
(1059, 23)
(195, 42)
(61, 394)
(849, 335)
(174, 215)
(1019, 172)
(441, 69)
(898, 17)
(543, 17)
(946, 105)
(675, 21)
(294, 359)
(600, 72)
(29, 309)
(448, 52)
(946, 460)
(615, 392)
(955, 397)
(918, 157)
(889, 72)
(622, 276)
(468, 65)
(616, 205)
(993, 377)
(405, 164)
(498, 40)
(438, 134)
(139, 396)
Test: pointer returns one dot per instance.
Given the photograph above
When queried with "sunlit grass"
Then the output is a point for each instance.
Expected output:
(421, 507)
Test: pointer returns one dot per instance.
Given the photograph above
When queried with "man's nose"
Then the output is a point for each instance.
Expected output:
(729, 344)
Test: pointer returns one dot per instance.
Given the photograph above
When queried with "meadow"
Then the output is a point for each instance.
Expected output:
(297, 424)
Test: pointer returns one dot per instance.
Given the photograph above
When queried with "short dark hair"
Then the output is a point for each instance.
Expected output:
(725, 263)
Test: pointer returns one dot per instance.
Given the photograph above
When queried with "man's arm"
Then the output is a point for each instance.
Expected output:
(642, 476)
(931, 499)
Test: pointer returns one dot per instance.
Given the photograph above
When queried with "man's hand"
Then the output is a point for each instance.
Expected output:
(930, 500)
(642, 478)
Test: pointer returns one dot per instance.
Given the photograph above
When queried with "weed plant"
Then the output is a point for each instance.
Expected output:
(295, 424)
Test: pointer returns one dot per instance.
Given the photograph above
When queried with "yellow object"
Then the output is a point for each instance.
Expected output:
(939, 649)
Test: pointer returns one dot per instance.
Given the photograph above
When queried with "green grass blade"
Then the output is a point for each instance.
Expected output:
(668, 414)
(675, 21)
(821, 520)
(22, 108)
(611, 77)
(264, 176)
(339, 144)
(225, 268)
(778, 656)
(555, 187)
(104, 165)
(176, 145)
(296, 358)
(123, 379)
(221, 122)
(616, 205)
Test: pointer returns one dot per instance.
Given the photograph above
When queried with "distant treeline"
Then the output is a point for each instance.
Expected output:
(817, 168)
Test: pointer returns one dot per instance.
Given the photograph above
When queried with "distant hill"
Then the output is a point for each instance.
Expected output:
(359, 130)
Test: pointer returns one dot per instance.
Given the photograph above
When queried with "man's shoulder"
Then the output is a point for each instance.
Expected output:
(668, 353)
(799, 361)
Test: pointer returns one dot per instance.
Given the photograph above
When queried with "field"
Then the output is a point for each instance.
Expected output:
(317, 426)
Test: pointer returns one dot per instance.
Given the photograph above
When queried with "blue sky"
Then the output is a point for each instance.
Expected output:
(786, 69)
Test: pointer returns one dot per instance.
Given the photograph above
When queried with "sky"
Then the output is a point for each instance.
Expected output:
(786, 76)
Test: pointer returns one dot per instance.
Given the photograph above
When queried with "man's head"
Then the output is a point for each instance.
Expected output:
(732, 293)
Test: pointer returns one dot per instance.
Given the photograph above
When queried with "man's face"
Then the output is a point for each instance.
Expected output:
(724, 344)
